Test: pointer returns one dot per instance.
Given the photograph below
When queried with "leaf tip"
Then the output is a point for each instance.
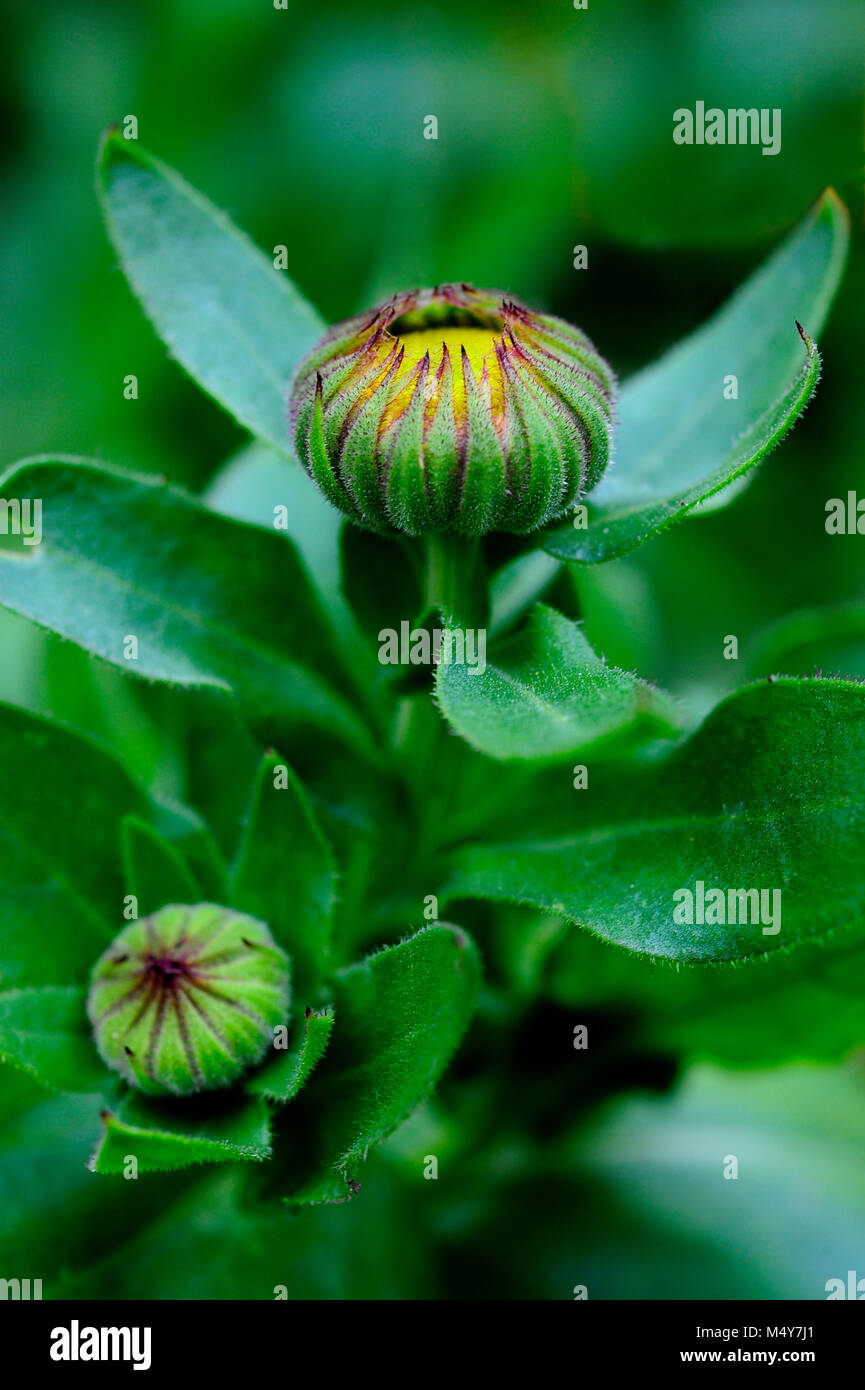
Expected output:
(108, 141)
(830, 201)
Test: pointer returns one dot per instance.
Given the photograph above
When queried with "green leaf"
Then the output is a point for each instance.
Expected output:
(545, 694)
(379, 581)
(213, 736)
(212, 602)
(768, 794)
(518, 585)
(831, 639)
(62, 798)
(286, 874)
(166, 1134)
(155, 873)
(44, 1031)
(285, 1073)
(213, 1245)
(235, 323)
(399, 1017)
(54, 1215)
(254, 483)
(802, 1005)
(678, 440)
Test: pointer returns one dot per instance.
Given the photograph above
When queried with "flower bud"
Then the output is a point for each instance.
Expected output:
(453, 409)
(185, 1000)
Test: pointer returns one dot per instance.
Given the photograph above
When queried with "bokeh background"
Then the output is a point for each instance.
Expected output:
(554, 129)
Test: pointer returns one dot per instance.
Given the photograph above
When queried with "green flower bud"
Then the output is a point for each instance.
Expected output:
(453, 409)
(186, 999)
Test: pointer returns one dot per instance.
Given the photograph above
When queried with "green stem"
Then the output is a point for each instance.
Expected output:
(454, 582)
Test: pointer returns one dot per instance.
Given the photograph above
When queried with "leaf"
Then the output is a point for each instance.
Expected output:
(286, 874)
(678, 440)
(518, 585)
(166, 1134)
(545, 694)
(768, 794)
(259, 486)
(155, 872)
(400, 1015)
(44, 1032)
(54, 1215)
(285, 1073)
(212, 1245)
(830, 638)
(62, 798)
(253, 483)
(379, 581)
(802, 1005)
(235, 323)
(212, 602)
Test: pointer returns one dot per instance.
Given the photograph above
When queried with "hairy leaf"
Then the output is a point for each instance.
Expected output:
(237, 325)
(165, 1134)
(545, 694)
(768, 795)
(399, 1017)
(285, 1073)
(209, 601)
(680, 439)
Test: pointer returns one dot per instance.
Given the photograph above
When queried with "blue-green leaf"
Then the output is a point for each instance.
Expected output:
(682, 435)
(543, 694)
(768, 796)
(236, 324)
(140, 574)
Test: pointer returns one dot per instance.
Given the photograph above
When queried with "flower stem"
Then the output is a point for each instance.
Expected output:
(453, 577)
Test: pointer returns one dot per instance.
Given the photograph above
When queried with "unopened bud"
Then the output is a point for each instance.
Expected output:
(185, 1000)
(453, 409)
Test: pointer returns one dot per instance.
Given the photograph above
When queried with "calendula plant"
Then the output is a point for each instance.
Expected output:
(259, 951)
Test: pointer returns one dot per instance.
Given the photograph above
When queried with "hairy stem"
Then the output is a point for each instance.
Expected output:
(453, 577)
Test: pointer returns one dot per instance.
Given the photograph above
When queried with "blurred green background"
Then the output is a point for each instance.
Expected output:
(554, 129)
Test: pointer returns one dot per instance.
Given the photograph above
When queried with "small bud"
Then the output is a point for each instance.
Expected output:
(453, 409)
(185, 1000)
